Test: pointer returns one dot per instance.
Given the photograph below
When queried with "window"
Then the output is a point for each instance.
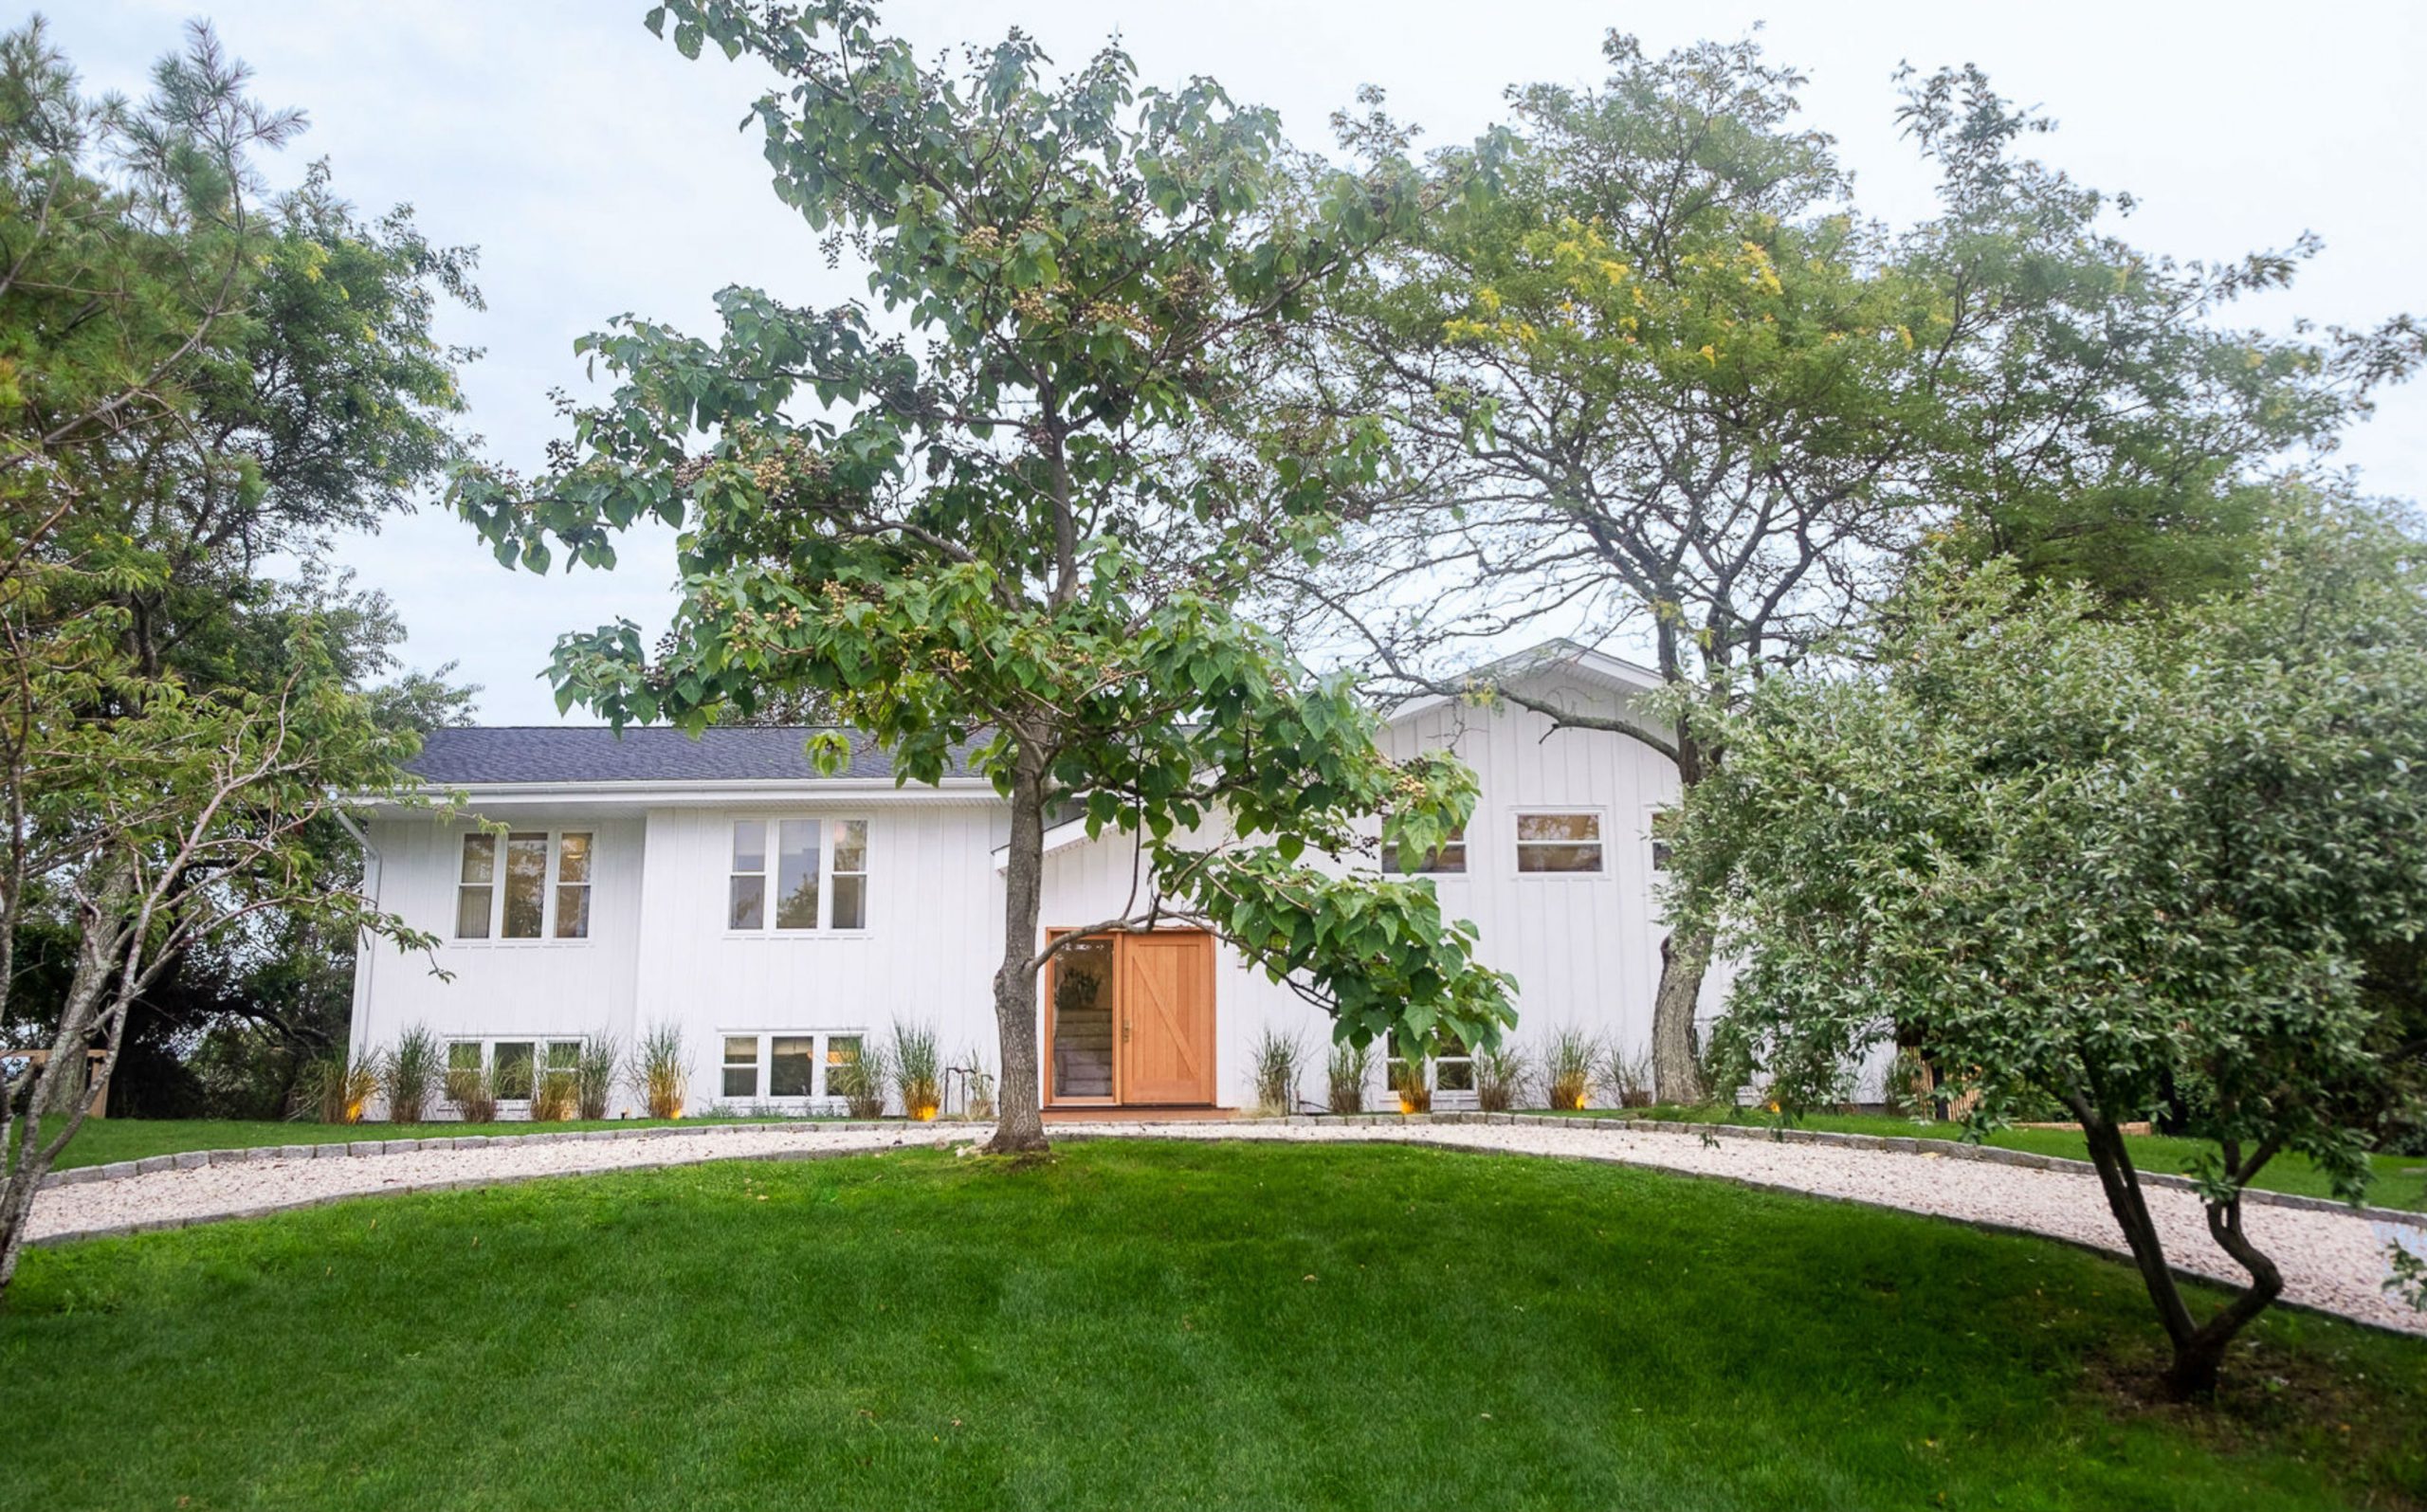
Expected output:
(1453, 1069)
(1657, 828)
(465, 1056)
(1450, 857)
(818, 872)
(472, 894)
(526, 877)
(742, 1065)
(1559, 842)
(573, 887)
(792, 1060)
(841, 1051)
(511, 1068)
(791, 1066)
(850, 865)
(544, 877)
(797, 852)
(749, 892)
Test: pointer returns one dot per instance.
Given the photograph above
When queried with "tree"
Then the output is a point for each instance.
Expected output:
(1664, 382)
(2119, 861)
(193, 373)
(1028, 533)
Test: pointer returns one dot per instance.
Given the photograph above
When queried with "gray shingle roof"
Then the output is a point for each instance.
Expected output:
(594, 754)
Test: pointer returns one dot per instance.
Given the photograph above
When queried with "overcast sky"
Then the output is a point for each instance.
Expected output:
(599, 172)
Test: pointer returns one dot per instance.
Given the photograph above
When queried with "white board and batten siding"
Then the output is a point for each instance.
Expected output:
(1584, 947)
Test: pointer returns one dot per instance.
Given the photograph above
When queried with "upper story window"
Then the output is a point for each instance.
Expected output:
(1449, 857)
(815, 870)
(526, 885)
(1559, 842)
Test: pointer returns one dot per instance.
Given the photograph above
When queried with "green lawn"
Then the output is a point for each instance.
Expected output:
(1151, 1325)
(2400, 1179)
(103, 1141)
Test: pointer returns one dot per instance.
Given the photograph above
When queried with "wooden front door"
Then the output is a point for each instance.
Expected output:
(1129, 1020)
(1167, 1017)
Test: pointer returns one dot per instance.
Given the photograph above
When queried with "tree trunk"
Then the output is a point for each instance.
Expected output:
(26, 1147)
(2199, 1348)
(1676, 1072)
(1019, 1122)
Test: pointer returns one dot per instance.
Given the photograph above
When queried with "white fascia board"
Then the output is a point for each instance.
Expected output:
(1615, 672)
(1060, 837)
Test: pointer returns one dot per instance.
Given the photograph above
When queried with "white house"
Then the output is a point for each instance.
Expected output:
(781, 918)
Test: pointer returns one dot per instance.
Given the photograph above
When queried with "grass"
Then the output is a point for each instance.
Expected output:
(1144, 1324)
(2400, 1179)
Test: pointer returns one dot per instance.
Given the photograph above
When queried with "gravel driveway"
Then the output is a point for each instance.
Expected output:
(2333, 1261)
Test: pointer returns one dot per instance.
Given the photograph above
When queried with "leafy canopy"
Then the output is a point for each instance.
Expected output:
(1012, 507)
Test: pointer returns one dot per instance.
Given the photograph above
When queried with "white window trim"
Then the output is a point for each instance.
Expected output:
(547, 891)
(770, 840)
(1601, 818)
(488, 1044)
(817, 1100)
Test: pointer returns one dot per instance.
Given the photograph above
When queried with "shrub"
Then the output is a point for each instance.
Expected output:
(595, 1074)
(1569, 1062)
(410, 1073)
(338, 1089)
(473, 1094)
(665, 1073)
(1274, 1065)
(1908, 1089)
(918, 1069)
(1501, 1077)
(1345, 1075)
(861, 1081)
(1408, 1080)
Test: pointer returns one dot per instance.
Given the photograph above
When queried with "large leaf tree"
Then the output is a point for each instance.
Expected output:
(1665, 385)
(2139, 866)
(1012, 514)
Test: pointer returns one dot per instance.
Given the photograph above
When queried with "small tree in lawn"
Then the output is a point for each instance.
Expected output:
(1023, 534)
(2132, 864)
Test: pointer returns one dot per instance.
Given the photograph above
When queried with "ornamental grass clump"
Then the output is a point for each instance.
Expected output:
(410, 1074)
(1569, 1062)
(1628, 1079)
(1501, 1077)
(918, 1069)
(1344, 1076)
(1274, 1065)
(1414, 1090)
(595, 1072)
(665, 1074)
(473, 1094)
(555, 1092)
(340, 1089)
(860, 1082)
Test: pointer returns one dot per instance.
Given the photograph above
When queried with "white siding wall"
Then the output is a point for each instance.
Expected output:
(524, 989)
(928, 956)
(1585, 950)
